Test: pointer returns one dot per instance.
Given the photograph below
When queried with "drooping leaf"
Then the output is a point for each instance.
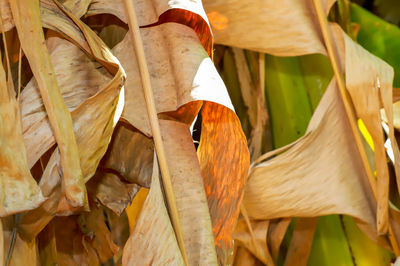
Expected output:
(18, 190)
(33, 43)
(278, 177)
(158, 245)
(287, 29)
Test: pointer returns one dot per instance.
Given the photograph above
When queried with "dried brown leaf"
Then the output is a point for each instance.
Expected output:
(111, 191)
(93, 225)
(301, 242)
(130, 154)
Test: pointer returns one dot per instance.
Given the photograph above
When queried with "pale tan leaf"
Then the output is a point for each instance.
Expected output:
(276, 232)
(155, 12)
(182, 73)
(189, 193)
(6, 16)
(289, 28)
(301, 242)
(180, 69)
(33, 43)
(79, 78)
(245, 258)
(298, 177)
(242, 237)
(153, 239)
(369, 81)
(18, 190)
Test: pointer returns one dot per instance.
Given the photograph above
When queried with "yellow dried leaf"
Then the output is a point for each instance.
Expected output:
(18, 190)
(33, 43)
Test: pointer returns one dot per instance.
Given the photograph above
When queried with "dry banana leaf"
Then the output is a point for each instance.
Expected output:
(299, 174)
(24, 252)
(94, 226)
(76, 251)
(301, 242)
(224, 161)
(182, 73)
(33, 43)
(130, 154)
(245, 258)
(6, 16)
(189, 193)
(189, 13)
(180, 69)
(243, 239)
(111, 191)
(18, 190)
(276, 232)
(289, 28)
(369, 81)
(100, 111)
(47, 245)
(79, 78)
(153, 239)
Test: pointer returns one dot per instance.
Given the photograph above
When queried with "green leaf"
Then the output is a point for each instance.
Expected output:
(378, 37)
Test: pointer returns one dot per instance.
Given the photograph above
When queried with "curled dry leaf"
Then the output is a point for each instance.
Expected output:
(298, 176)
(77, 251)
(243, 238)
(130, 154)
(224, 161)
(33, 43)
(369, 81)
(79, 78)
(101, 111)
(189, 13)
(182, 73)
(111, 191)
(94, 226)
(288, 29)
(18, 190)
(158, 245)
